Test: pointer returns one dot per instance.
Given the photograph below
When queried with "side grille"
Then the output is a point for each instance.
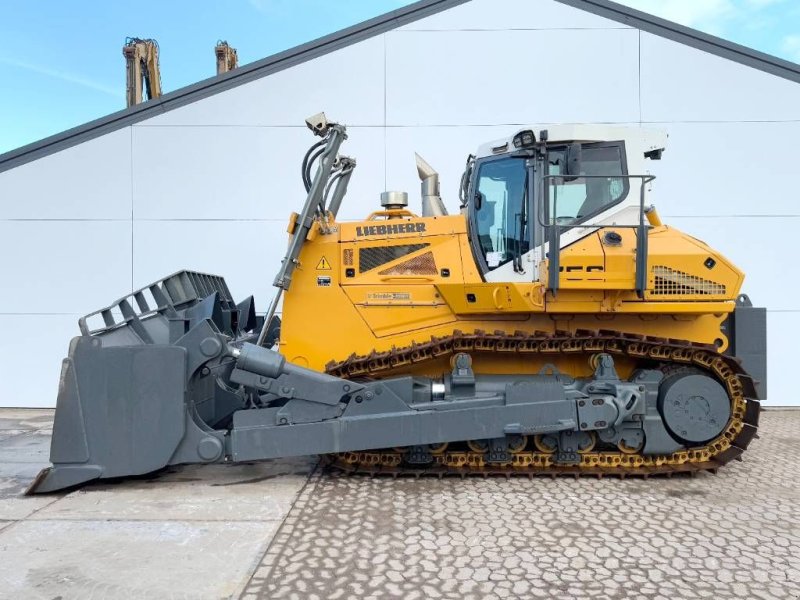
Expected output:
(375, 256)
(424, 264)
(669, 282)
(347, 257)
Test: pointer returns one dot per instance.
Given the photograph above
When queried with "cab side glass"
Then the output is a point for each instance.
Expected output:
(575, 198)
(500, 211)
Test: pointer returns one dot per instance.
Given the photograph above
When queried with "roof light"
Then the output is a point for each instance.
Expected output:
(654, 154)
(524, 139)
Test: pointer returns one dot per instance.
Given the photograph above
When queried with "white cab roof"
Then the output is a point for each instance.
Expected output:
(636, 138)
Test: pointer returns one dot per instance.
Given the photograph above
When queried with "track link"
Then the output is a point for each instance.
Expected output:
(734, 440)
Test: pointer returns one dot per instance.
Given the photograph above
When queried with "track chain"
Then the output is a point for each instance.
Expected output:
(740, 430)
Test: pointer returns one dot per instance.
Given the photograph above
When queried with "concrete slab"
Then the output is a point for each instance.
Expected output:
(189, 531)
(252, 492)
(24, 451)
(14, 506)
(129, 559)
(26, 419)
(27, 447)
(20, 473)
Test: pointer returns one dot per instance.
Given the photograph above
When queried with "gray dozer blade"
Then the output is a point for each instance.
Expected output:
(169, 375)
(131, 399)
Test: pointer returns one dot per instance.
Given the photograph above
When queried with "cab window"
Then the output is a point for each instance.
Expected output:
(501, 205)
(582, 198)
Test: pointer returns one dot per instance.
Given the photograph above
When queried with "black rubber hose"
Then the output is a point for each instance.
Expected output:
(310, 166)
(306, 163)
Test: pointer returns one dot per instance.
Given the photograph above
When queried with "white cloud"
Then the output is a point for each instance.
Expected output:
(791, 45)
(65, 76)
(718, 17)
(757, 4)
(259, 5)
(692, 13)
(269, 7)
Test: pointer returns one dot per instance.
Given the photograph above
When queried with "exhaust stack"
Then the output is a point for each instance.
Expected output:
(432, 205)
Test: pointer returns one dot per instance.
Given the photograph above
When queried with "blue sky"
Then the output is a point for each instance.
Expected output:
(61, 62)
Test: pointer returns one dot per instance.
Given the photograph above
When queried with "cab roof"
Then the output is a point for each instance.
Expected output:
(637, 139)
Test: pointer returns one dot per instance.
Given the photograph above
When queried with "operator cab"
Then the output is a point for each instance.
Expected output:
(587, 173)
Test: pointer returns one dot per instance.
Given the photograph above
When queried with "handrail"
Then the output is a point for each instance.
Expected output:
(397, 212)
(554, 232)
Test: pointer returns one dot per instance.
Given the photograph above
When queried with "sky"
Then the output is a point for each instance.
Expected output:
(61, 61)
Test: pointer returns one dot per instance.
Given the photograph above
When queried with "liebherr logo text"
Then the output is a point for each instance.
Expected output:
(390, 229)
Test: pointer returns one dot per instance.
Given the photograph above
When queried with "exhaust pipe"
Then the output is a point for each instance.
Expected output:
(432, 205)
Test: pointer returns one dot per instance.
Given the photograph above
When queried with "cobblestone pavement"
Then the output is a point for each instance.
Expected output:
(736, 534)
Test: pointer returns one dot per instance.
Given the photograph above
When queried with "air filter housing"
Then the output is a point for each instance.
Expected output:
(394, 200)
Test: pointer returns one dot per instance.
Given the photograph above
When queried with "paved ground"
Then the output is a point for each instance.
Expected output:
(277, 530)
(193, 532)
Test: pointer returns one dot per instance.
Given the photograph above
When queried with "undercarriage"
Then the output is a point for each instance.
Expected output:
(688, 409)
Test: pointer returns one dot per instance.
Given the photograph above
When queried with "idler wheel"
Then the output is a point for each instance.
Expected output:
(587, 441)
(517, 443)
(546, 444)
(437, 449)
(695, 407)
(480, 446)
(626, 449)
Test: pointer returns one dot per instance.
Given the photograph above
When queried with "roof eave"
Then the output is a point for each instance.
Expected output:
(689, 37)
(220, 83)
(362, 31)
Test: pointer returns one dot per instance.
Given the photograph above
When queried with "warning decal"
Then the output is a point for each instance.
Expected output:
(323, 264)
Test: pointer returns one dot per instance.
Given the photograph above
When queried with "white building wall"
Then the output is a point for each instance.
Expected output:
(209, 186)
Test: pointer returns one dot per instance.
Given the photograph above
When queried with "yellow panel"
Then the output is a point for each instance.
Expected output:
(391, 309)
(446, 257)
(582, 264)
(392, 320)
(621, 260)
(588, 264)
(404, 228)
(328, 316)
(397, 294)
(493, 297)
(681, 271)
(684, 268)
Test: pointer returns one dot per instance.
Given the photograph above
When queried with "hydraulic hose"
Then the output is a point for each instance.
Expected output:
(308, 161)
(332, 183)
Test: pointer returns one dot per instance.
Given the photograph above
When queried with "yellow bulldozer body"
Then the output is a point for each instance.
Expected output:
(397, 279)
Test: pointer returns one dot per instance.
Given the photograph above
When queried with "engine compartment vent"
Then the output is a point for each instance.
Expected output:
(424, 264)
(669, 282)
(375, 256)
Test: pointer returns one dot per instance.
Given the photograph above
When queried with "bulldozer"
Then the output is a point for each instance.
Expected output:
(554, 325)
